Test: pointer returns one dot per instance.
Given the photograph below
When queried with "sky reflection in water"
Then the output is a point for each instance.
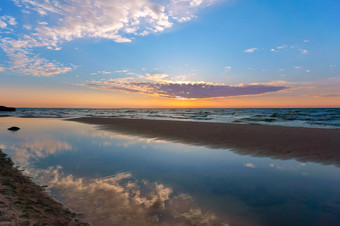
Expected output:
(120, 179)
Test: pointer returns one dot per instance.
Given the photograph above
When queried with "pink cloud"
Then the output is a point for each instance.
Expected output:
(189, 90)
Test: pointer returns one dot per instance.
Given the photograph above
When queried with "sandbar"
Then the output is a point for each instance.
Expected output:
(280, 142)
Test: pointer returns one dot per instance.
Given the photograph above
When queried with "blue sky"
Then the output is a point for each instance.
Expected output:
(138, 44)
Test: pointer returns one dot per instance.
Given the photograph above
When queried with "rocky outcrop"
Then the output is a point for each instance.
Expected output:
(3, 108)
(13, 128)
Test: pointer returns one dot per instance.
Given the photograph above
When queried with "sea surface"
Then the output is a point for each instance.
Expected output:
(117, 179)
(299, 117)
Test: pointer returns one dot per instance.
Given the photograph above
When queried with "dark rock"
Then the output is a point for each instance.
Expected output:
(14, 128)
(3, 108)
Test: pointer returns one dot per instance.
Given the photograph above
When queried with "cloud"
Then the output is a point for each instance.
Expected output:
(2, 68)
(202, 90)
(227, 68)
(326, 95)
(103, 72)
(122, 200)
(278, 48)
(27, 27)
(38, 149)
(26, 62)
(2, 24)
(162, 85)
(121, 71)
(104, 19)
(304, 51)
(249, 165)
(7, 20)
(64, 21)
(118, 20)
(293, 46)
(251, 50)
(185, 10)
(281, 47)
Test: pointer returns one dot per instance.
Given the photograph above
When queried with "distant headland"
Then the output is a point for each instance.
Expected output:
(3, 108)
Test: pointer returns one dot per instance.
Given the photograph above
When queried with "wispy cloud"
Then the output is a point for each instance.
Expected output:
(27, 27)
(296, 47)
(162, 85)
(326, 95)
(322, 88)
(7, 20)
(25, 61)
(251, 50)
(282, 47)
(62, 21)
(303, 51)
(185, 10)
(227, 68)
(122, 71)
(279, 48)
(2, 24)
(43, 23)
(118, 20)
(103, 19)
(103, 72)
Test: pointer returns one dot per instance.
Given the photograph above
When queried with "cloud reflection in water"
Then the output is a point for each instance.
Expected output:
(38, 149)
(122, 200)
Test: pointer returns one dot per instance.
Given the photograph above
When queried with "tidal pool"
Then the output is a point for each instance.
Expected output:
(125, 180)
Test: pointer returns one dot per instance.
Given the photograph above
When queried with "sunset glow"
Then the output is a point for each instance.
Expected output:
(181, 54)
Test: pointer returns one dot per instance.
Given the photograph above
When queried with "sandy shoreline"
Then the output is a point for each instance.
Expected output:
(22, 202)
(302, 144)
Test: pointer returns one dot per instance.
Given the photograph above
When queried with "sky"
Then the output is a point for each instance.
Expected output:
(170, 53)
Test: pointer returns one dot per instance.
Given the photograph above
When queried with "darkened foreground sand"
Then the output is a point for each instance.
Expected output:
(303, 144)
(22, 202)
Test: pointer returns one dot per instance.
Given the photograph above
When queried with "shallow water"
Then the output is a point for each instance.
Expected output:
(119, 179)
(300, 117)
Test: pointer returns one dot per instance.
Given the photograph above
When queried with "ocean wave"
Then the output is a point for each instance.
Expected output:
(306, 117)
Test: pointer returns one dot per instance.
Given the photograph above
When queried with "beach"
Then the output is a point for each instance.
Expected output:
(303, 144)
(22, 202)
(169, 113)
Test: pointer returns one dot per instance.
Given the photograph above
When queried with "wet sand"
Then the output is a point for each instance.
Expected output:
(22, 202)
(302, 144)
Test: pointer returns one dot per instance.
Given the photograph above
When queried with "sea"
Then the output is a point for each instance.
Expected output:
(296, 117)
